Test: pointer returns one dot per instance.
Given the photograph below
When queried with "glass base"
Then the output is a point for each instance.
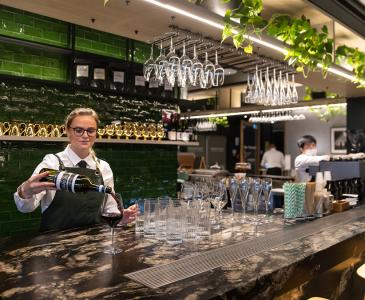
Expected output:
(113, 251)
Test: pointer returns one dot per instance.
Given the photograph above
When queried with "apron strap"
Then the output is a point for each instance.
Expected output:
(61, 165)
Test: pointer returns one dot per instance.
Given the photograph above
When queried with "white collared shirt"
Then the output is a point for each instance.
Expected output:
(70, 159)
(272, 159)
(303, 161)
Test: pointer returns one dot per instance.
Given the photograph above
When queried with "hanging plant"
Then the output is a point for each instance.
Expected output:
(308, 47)
(222, 121)
(354, 58)
(330, 111)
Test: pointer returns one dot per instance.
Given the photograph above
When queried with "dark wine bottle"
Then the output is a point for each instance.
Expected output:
(72, 182)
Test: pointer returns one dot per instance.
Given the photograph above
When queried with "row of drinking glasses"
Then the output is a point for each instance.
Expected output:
(173, 220)
(248, 193)
(183, 71)
(245, 194)
(275, 117)
(277, 90)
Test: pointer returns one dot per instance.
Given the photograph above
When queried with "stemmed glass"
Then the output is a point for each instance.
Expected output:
(111, 211)
(149, 67)
(186, 64)
(197, 69)
(218, 198)
(160, 64)
(188, 191)
(256, 193)
(218, 72)
(173, 67)
(294, 98)
(266, 188)
(233, 190)
(244, 190)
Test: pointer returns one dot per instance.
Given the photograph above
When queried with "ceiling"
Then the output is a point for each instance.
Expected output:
(143, 21)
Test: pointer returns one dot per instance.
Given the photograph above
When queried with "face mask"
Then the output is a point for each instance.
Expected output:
(311, 152)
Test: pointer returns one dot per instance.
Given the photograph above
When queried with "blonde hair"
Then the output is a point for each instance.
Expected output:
(81, 111)
(84, 111)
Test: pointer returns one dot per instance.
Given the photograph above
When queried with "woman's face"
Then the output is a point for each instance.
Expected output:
(82, 134)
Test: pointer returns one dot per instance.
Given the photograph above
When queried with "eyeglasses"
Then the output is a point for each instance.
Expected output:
(79, 131)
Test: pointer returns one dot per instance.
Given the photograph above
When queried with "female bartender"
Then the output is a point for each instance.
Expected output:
(62, 209)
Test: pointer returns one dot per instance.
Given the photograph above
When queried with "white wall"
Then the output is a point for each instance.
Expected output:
(313, 126)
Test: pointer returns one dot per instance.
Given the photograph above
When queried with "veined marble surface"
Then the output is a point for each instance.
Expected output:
(71, 264)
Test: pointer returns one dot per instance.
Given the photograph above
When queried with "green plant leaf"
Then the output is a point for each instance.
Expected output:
(248, 49)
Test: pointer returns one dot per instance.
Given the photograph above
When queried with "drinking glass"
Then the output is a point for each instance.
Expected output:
(186, 64)
(188, 191)
(161, 217)
(150, 208)
(233, 192)
(189, 222)
(208, 73)
(197, 70)
(244, 188)
(160, 64)
(218, 198)
(266, 188)
(203, 220)
(256, 193)
(111, 211)
(218, 72)
(139, 221)
(173, 67)
(174, 222)
(149, 67)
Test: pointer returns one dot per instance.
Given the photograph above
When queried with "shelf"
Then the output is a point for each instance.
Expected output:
(106, 141)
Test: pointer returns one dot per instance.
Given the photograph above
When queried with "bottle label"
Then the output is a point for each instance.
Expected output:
(66, 181)
(139, 81)
(118, 76)
(99, 74)
(82, 71)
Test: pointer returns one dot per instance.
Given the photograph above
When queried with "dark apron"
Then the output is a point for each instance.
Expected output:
(71, 210)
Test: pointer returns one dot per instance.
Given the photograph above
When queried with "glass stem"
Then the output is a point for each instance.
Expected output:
(113, 238)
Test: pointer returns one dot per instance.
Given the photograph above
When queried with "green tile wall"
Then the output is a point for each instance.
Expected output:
(23, 61)
(43, 104)
(93, 41)
(142, 52)
(139, 171)
(32, 27)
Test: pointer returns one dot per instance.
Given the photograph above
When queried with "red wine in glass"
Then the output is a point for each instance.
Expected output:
(111, 212)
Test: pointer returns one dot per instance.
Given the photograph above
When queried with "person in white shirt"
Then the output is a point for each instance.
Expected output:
(308, 157)
(273, 160)
(62, 209)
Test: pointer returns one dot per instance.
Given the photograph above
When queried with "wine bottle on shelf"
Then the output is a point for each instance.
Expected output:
(72, 182)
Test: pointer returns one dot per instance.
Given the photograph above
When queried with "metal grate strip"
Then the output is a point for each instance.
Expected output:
(158, 276)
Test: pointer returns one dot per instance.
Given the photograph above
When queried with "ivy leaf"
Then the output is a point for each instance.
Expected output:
(227, 32)
(238, 40)
(248, 49)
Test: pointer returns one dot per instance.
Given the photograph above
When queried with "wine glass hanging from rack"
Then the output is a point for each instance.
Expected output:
(183, 70)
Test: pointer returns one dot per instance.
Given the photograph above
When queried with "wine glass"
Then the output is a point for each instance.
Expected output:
(186, 64)
(160, 65)
(256, 193)
(149, 67)
(197, 69)
(208, 73)
(111, 211)
(266, 188)
(218, 198)
(188, 191)
(233, 189)
(244, 188)
(218, 72)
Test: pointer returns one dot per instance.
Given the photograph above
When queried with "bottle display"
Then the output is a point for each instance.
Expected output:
(72, 182)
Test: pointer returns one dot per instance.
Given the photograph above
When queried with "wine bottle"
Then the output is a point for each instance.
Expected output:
(72, 182)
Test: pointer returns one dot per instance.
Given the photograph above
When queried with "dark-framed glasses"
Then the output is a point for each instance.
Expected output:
(79, 131)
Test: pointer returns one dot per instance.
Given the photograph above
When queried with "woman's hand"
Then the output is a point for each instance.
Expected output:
(33, 186)
(129, 214)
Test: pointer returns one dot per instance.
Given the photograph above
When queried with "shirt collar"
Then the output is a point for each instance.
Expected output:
(75, 159)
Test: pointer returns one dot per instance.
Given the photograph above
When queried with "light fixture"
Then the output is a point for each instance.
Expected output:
(259, 41)
(243, 113)
(361, 271)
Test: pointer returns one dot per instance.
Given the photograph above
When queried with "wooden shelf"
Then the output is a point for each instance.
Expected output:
(108, 141)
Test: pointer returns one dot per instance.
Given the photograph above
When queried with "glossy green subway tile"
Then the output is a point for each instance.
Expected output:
(13, 67)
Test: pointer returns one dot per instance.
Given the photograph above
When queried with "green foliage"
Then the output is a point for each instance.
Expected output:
(222, 121)
(308, 47)
(308, 94)
(329, 112)
(356, 59)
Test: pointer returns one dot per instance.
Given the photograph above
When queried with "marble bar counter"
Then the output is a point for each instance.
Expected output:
(315, 258)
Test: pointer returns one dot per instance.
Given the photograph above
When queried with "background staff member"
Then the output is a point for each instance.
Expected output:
(308, 157)
(62, 209)
(273, 160)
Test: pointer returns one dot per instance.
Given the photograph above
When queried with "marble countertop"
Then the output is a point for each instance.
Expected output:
(72, 265)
